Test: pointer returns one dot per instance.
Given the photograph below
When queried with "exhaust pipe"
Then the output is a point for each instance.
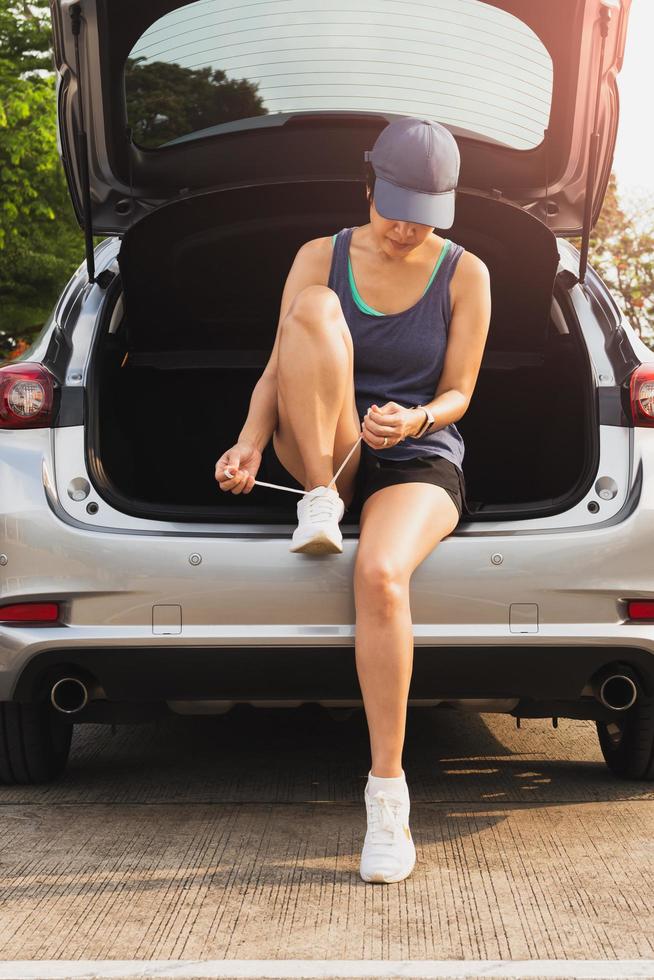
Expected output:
(615, 688)
(71, 693)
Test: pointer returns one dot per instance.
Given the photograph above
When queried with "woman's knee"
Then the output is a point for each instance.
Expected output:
(379, 578)
(314, 305)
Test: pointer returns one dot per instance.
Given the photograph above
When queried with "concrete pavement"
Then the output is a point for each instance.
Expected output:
(238, 837)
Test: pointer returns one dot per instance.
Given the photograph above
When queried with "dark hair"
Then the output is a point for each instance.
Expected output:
(370, 177)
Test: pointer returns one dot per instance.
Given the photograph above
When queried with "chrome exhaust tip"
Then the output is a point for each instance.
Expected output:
(615, 688)
(69, 695)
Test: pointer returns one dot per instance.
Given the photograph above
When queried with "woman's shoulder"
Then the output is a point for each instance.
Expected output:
(469, 266)
(315, 255)
(318, 248)
(470, 274)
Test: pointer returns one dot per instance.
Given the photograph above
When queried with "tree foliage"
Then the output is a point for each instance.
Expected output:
(40, 241)
(622, 253)
(25, 36)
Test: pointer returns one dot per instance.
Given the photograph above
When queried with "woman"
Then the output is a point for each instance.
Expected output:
(411, 310)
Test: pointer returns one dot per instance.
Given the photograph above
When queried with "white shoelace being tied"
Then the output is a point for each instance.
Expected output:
(276, 486)
(318, 509)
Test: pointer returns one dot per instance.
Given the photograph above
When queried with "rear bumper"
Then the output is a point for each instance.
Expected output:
(546, 669)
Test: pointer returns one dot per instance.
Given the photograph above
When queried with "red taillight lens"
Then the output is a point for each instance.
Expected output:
(30, 612)
(641, 394)
(26, 396)
(640, 609)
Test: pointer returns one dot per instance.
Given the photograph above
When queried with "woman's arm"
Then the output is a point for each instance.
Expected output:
(261, 420)
(471, 311)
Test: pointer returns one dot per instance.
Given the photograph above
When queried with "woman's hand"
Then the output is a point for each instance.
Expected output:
(243, 455)
(390, 420)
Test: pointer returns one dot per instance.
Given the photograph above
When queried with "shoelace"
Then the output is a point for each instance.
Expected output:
(383, 817)
(276, 486)
(320, 507)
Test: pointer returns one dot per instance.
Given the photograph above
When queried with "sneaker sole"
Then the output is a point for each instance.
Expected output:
(380, 879)
(321, 544)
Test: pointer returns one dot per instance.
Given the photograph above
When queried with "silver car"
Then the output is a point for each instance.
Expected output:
(207, 146)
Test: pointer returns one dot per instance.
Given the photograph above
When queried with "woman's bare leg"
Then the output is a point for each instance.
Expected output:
(318, 420)
(399, 526)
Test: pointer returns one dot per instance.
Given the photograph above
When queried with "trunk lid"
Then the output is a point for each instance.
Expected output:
(176, 101)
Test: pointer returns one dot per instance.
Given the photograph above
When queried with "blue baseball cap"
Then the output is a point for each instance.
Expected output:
(416, 164)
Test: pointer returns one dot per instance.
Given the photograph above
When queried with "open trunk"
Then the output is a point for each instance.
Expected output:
(202, 280)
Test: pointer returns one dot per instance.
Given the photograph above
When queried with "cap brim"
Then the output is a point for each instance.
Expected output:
(403, 204)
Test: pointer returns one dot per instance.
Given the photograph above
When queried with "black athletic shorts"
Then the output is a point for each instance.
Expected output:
(375, 473)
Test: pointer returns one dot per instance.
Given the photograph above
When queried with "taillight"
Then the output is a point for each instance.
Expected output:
(26, 396)
(641, 395)
(640, 609)
(30, 612)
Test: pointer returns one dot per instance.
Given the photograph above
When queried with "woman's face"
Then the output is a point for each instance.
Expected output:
(397, 237)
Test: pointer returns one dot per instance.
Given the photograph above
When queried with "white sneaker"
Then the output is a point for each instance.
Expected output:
(319, 512)
(389, 853)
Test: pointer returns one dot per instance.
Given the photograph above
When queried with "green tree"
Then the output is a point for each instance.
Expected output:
(40, 241)
(622, 253)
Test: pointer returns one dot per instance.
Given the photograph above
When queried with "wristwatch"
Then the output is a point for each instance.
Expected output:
(429, 421)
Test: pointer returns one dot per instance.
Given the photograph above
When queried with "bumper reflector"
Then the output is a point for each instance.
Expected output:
(640, 609)
(30, 612)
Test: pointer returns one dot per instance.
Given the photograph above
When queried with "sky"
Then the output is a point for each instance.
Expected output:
(634, 156)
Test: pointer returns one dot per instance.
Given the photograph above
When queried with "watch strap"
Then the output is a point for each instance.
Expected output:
(426, 425)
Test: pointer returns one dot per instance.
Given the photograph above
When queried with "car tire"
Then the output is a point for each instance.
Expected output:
(627, 743)
(34, 743)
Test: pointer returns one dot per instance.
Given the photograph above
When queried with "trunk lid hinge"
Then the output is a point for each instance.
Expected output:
(604, 18)
(82, 148)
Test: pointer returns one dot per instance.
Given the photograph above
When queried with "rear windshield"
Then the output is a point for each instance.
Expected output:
(460, 62)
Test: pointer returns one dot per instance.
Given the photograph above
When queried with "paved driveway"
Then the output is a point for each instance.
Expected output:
(238, 837)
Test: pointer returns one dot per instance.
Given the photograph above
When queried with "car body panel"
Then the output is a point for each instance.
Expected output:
(472, 589)
(128, 182)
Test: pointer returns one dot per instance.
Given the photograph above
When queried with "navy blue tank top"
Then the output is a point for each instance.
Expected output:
(399, 356)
